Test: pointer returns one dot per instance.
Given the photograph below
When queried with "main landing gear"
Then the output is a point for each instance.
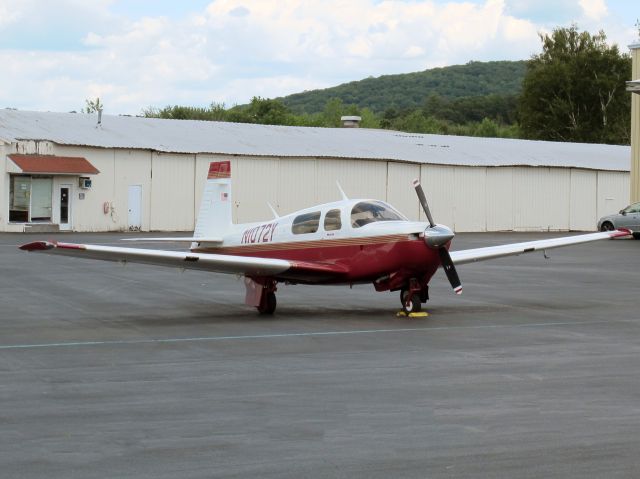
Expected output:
(261, 294)
(413, 295)
(268, 304)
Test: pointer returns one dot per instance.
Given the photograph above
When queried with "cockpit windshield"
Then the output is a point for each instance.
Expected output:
(367, 212)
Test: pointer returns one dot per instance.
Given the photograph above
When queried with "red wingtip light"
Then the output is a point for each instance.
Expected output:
(37, 246)
(621, 232)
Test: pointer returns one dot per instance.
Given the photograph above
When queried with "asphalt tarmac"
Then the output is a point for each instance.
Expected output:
(145, 372)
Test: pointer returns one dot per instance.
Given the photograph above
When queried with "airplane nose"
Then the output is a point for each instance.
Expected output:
(437, 236)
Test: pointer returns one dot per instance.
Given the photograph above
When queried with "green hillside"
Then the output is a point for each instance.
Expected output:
(410, 90)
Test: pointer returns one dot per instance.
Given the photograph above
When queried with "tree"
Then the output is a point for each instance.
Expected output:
(92, 106)
(575, 90)
(267, 112)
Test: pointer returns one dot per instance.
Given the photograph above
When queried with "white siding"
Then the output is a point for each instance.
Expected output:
(613, 192)
(583, 200)
(400, 191)
(499, 199)
(132, 167)
(254, 183)
(298, 185)
(541, 198)
(172, 192)
(470, 212)
(438, 184)
(88, 213)
(463, 197)
(200, 179)
(359, 179)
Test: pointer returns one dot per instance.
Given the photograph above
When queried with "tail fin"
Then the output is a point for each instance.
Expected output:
(214, 217)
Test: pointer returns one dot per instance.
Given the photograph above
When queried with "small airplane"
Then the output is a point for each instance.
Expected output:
(351, 241)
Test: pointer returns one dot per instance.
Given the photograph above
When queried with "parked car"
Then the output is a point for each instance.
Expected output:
(628, 217)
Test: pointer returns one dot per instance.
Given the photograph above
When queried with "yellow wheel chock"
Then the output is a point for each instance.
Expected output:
(420, 314)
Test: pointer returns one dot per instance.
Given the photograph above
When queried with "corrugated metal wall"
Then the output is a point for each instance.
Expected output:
(172, 192)
(465, 198)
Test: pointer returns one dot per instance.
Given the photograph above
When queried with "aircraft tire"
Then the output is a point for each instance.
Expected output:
(414, 305)
(270, 304)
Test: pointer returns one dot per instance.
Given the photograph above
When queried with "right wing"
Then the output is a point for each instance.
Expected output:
(514, 249)
(302, 271)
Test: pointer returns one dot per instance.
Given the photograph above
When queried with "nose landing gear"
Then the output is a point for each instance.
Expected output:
(413, 295)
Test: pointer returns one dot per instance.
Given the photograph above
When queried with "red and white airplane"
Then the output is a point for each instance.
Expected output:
(344, 242)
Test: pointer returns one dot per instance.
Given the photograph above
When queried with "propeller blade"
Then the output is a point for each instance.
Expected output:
(423, 201)
(450, 270)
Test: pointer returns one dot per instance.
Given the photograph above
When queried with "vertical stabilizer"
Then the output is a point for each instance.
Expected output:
(214, 217)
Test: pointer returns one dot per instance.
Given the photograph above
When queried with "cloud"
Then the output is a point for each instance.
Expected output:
(231, 50)
(594, 9)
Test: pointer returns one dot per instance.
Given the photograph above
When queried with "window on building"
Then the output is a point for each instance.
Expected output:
(367, 212)
(332, 220)
(30, 198)
(306, 223)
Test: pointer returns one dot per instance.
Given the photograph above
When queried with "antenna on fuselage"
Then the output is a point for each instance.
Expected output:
(344, 196)
(273, 210)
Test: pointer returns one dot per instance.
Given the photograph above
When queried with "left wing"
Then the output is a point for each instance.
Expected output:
(249, 266)
(492, 252)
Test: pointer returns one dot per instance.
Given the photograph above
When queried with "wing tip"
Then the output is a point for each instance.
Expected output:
(621, 233)
(37, 246)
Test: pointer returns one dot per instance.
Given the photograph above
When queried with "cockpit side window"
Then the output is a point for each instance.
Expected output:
(367, 212)
(332, 220)
(306, 223)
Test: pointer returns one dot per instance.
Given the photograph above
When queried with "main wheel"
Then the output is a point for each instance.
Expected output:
(412, 306)
(270, 303)
(607, 226)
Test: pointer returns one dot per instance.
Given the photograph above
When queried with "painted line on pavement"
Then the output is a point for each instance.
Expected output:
(297, 335)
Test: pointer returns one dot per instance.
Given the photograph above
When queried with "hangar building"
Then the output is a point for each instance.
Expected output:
(71, 171)
(634, 87)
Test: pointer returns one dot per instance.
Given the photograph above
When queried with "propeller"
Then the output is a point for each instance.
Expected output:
(437, 236)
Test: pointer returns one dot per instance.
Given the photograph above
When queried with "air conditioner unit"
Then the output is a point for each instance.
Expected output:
(85, 183)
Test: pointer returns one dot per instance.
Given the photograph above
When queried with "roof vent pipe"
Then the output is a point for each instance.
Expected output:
(350, 121)
(99, 116)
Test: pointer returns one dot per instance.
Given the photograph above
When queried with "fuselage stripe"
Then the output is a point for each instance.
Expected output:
(290, 245)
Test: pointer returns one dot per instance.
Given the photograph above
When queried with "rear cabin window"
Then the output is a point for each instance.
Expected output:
(332, 220)
(306, 223)
(367, 212)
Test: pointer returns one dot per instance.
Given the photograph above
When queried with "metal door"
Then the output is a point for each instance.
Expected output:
(135, 208)
(64, 198)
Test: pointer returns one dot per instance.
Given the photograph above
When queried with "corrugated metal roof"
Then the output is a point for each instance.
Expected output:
(188, 136)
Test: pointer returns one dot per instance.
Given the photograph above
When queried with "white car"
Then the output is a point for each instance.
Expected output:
(628, 218)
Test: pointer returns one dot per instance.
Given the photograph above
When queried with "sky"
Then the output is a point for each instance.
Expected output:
(136, 54)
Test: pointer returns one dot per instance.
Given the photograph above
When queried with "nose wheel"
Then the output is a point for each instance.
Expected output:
(410, 302)
(413, 295)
